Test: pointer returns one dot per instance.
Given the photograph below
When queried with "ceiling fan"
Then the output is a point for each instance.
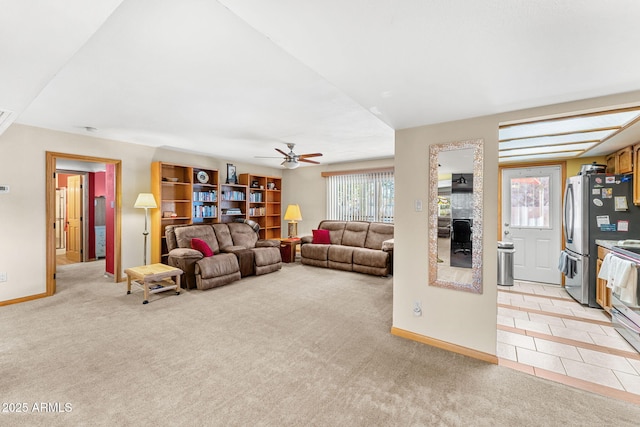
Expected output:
(291, 159)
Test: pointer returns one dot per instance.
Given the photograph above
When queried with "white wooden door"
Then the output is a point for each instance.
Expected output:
(74, 218)
(531, 219)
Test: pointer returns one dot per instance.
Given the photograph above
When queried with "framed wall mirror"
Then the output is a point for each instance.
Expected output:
(455, 215)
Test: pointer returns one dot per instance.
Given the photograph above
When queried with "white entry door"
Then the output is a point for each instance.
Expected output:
(531, 219)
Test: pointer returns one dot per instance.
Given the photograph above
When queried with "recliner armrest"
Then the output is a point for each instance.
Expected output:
(185, 253)
(268, 243)
(306, 239)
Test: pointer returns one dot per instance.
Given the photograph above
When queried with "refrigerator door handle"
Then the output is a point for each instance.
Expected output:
(569, 214)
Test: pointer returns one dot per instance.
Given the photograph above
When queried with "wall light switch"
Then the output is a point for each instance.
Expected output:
(3, 276)
(418, 205)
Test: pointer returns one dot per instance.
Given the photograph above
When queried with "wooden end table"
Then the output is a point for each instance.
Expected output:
(150, 276)
(288, 248)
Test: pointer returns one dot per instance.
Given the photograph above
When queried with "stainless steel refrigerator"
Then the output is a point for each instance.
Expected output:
(596, 206)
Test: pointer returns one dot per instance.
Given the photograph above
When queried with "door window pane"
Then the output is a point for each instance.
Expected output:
(530, 202)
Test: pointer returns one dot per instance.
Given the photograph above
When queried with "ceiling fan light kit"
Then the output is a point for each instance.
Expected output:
(292, 160)
(290, 164)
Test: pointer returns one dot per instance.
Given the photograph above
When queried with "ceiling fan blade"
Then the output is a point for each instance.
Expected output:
(282, 152)
(310, 155)
(308, 161)
(266, 157)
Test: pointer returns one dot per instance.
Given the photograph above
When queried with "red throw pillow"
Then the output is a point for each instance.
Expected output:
(202, 246)
(321, 237)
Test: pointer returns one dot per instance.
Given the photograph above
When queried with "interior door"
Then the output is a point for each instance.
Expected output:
(74, 218)
(531, 219)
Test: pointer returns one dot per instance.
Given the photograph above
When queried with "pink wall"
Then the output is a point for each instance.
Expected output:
(100, 184)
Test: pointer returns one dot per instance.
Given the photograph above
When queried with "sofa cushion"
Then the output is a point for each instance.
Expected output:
(355, 234)
(313, 251)
(242, 235)
(223, 235)
(216, 271)
(203, 232)
(339, 253)
(219, 265)
(370, 257)
(321, 237)
(378, 233)
(336, 229)
(201, 246)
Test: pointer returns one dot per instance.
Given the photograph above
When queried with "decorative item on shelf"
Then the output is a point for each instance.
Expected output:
(170, 179)
(168, 214)
(254, 184)
(232, 177)
(271, 185)
(145, 201)
(293, 215)
(202, 177)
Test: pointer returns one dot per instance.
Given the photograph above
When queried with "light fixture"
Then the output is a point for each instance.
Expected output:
(290, 163)
(292, 215)
(145, 201)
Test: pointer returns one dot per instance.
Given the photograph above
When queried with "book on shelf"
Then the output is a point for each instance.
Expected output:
(233, 195)
(205, 196)
(206, 211)
(257, 211)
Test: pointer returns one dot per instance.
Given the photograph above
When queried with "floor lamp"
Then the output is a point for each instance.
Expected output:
(146, 201)
(292, 215)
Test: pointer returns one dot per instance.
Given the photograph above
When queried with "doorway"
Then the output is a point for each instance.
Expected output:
(531, 205)
(55, 237)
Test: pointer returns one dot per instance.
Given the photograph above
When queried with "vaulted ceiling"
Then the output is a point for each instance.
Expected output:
(238, 78)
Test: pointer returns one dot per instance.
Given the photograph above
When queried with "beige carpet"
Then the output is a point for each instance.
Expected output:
(303, 346)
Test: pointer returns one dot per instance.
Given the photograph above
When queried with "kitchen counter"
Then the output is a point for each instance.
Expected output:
(609, 244)
(612, 246)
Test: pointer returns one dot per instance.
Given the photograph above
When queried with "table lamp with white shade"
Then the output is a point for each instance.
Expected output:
(293, 215)
(145, 201)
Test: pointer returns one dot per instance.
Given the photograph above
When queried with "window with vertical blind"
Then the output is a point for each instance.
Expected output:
(366, 196)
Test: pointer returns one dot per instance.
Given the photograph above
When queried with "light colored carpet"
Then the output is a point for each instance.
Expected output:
(303, 346)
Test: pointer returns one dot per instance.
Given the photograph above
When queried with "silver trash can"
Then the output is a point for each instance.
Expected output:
(505, 263)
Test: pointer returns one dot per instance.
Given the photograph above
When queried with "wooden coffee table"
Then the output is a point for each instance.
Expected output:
(154, 278)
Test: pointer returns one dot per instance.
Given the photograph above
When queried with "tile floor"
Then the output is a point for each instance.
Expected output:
(544, 332)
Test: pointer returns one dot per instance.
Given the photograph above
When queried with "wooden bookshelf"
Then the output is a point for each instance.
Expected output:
(195, 195)
(233, 202)
(184, 196)
(264, 204)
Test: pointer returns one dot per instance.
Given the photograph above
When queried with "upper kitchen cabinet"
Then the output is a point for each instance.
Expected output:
(620, 162)
(612, 161)
(625, 160)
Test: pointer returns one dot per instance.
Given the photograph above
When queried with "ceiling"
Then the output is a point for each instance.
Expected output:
(238, 78)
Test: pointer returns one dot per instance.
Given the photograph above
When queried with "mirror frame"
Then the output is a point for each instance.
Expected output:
(476, 256)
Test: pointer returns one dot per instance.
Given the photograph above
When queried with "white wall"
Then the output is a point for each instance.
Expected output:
(22, 210)
(465, 319)
(461, 318)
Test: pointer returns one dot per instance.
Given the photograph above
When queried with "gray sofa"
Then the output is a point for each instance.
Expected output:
(238, 252)
(355, 246)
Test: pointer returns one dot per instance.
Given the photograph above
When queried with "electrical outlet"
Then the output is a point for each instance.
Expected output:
(3, 276)
(418, 205)
(417, 308)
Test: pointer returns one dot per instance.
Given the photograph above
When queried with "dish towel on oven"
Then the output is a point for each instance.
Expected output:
(621, 277)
